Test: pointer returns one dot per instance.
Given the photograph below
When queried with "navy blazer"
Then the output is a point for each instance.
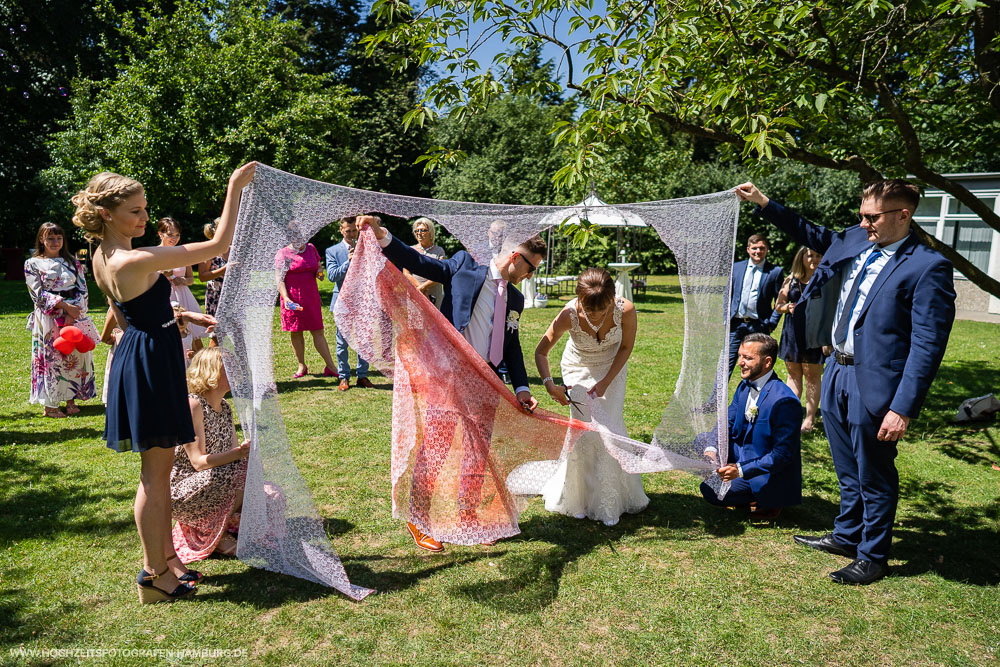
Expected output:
(902, 330)
(769, 449)
(767, 292)
(336, 269)
(463, 279)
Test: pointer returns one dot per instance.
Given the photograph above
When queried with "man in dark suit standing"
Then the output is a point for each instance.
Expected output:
(754, 288)
(480, 300)
(765, 418)
(885, 303)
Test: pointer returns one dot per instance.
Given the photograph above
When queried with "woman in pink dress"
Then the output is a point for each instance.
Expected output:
(298, 271)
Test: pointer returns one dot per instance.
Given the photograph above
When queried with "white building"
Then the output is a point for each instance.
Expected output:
(953, 223)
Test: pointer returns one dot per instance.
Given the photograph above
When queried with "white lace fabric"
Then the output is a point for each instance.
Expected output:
(281, 529)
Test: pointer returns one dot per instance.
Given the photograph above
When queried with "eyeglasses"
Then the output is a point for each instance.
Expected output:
(533, 266)
(421, 231)
(872, 218)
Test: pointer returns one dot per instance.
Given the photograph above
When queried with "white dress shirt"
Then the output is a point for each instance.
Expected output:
(866, 284)
(749, 294)
(479, 333)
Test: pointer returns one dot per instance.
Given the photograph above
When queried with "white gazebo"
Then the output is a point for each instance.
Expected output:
(599, 213)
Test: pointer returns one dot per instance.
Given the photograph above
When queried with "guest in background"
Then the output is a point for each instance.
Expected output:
(58, 288)
(212, 272)
(206, 483)
(298, 271)
(181, 278)
(800, 360)
(764, 465)
(754, 288)
(338, 260)
(424, 232)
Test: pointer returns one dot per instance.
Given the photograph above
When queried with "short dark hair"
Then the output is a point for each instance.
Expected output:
(166, 223)
(893, 188)
(349, 220)
(769, 346)
(535, 245)
(758, 238)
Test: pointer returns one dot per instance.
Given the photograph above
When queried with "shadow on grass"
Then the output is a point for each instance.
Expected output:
(331, 384)
(530, 581)
(25, 438)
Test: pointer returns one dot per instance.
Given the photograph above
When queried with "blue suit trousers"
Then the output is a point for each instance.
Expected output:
(865, 465)
(739, 493)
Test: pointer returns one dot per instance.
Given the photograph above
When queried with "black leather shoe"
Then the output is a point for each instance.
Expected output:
(860, 573)
(828, 544)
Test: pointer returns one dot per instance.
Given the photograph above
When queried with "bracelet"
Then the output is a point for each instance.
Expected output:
(548, 379)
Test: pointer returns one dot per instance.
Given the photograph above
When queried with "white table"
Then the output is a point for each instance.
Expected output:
(623, 284)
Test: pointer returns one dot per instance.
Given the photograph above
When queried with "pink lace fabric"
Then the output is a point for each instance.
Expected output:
(457, 431)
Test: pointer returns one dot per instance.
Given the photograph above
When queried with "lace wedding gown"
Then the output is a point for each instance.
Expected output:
(589, 482)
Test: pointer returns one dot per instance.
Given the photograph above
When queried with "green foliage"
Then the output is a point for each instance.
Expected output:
(200, 91)
(875, 87)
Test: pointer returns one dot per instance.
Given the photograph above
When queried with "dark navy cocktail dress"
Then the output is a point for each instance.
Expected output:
(793, 333)
(147, 386)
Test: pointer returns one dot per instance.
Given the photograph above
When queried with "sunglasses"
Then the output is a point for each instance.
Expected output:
(872, 218)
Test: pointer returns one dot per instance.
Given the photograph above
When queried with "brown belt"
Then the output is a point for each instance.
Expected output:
(844, 359)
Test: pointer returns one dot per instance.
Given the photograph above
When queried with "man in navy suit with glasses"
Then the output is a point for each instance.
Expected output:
(885, 304)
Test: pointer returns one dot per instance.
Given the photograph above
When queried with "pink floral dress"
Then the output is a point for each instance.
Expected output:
(55, 377)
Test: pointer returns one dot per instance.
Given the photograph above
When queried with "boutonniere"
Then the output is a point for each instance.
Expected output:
(752, 414)
(513, 320)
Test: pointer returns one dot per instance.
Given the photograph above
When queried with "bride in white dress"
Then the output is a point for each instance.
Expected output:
(589, 482)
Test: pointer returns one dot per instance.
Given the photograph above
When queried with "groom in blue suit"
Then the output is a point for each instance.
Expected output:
(753, 290)
(884, 303)
(480, 300)
(764, 466)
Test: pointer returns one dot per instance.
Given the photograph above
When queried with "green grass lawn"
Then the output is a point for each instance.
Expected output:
(681, 583)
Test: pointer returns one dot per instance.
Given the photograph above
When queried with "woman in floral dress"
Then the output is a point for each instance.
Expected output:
(206, 483)
(58, 287)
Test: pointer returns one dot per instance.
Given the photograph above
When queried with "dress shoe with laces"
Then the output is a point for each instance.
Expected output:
(423, 540)
(860, 573)
(364, 382)
(828, 544)
(344, 384)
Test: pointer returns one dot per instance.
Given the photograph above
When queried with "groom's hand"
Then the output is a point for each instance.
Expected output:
(528, 402)
(728, 472)
(373, 222)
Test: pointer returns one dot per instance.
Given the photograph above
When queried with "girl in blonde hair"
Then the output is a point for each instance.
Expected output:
(147, 407)
(206, 484)
(213, 271)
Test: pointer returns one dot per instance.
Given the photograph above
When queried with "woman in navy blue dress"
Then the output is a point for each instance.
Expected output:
(147, 393)
(801, 361)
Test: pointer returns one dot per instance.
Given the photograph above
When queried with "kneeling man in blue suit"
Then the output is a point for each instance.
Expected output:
(765, 418)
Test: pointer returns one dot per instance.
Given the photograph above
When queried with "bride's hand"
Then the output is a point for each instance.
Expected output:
(557, 393)
(598, 389)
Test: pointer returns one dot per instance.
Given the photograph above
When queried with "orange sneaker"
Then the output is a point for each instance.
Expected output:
(423, 541)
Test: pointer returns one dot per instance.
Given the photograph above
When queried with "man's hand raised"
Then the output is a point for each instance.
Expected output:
(749, 192)
(374, 223)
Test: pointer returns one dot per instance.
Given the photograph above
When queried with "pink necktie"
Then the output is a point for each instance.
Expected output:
(499, 315)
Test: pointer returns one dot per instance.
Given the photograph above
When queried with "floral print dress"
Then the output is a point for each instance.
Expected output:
(202, 500)
(56, 377)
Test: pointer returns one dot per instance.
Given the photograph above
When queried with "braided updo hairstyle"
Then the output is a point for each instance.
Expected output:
(595, 288)
(104, 191)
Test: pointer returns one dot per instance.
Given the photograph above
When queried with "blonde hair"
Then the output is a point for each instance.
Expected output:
(107, 190)
(799, 263)
(209, 229)
(205, 370)
(426, 222)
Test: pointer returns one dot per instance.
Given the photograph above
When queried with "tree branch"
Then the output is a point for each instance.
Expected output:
(961, 264)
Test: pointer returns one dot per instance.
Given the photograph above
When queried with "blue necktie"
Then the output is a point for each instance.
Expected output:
(852, 298)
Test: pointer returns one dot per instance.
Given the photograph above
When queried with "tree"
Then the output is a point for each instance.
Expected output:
(43, 47)
(873, 87)
(199, 91)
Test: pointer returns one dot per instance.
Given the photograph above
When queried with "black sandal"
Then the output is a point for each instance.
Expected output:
(150, 594)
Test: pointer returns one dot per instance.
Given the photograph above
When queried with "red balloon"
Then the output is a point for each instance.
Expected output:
(72, 334)
(85, 345)
(63, 345)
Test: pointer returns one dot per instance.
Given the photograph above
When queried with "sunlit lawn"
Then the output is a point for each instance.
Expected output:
(681, 583)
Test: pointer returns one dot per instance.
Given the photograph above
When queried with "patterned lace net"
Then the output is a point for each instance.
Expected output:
(458, 432)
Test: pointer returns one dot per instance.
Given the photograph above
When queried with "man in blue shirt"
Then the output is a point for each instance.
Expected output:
(884, 303)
